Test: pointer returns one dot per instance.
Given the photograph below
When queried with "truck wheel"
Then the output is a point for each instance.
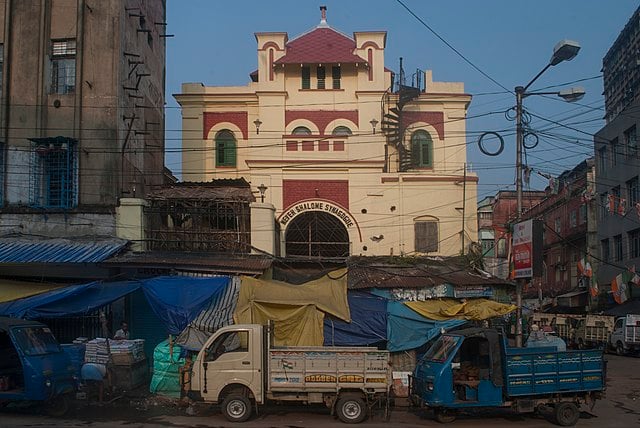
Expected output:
(236, 408)
(619, 348)
(57, 406)
(567, 414)
(351, 409)
(445, 416)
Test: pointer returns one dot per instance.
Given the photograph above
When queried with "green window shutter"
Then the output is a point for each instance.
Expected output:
(225, 148)
(230, 154)
(422, 149)
(306, 78)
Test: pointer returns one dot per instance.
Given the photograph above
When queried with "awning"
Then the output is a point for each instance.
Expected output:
(58, 250)
(368, 324)
(13, 290)
(297, 311)
(473, 309)
(176, 300)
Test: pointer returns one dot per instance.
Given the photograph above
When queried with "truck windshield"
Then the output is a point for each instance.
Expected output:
(442, 349)
(36, 340)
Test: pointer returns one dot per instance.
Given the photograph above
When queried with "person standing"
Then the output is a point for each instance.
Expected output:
(123, 332)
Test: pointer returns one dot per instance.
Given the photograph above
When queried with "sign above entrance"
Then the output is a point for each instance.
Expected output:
(316, 205)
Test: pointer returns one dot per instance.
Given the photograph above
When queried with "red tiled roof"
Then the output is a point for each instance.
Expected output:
(321, 46)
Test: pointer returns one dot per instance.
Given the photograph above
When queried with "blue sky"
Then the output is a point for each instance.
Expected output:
(508, 40)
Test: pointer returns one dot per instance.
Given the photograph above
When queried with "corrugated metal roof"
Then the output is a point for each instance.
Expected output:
(58, 250)
(250, 264)
(415, 273)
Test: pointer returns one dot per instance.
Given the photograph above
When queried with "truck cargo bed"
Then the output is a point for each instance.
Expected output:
(539, 371)
(314, 369)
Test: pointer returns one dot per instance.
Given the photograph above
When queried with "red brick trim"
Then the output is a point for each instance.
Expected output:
(370, 44)
(285, 211)
(453, 178)
(321, 118)
(271, 45)
(433, 118)
(294, 191)
(238, 118)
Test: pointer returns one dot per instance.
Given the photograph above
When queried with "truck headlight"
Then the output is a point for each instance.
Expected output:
(47, 383)
(429, 386)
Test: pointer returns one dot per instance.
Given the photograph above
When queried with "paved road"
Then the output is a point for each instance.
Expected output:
(620, 408)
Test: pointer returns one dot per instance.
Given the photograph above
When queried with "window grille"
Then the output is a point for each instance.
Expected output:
(63, 66)
(306, 78)
(53, 173)
(336, 75)
(321, 75)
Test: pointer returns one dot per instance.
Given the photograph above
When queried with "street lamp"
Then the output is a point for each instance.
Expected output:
(262, 189)
(565, 50)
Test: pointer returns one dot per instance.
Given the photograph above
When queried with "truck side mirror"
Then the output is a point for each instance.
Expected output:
(455, 366)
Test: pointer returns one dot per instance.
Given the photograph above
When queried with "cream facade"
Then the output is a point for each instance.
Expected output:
(352, 162)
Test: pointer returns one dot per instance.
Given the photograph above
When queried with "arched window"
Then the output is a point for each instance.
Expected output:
(225, 148)
(422, 149)
(341, 130)
(301, 130)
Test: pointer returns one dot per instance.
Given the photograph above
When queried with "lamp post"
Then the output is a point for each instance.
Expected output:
(565, 50)
(262, 189)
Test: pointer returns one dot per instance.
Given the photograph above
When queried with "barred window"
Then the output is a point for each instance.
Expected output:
(306, 78)
(54, 173)
(63, 66)
(321, 75)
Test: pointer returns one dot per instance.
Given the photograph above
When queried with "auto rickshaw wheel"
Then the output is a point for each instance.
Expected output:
(58, 406)
(445, 416)
(566, 414)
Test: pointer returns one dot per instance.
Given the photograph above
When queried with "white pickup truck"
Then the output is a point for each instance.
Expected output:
(238, 368)
(625, 336)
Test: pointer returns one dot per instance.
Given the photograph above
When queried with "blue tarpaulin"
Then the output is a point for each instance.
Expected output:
(406, 329)
(176, 300)
(368, 322)
(69, 301)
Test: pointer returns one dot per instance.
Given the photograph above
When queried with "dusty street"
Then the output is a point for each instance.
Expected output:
(620, 408)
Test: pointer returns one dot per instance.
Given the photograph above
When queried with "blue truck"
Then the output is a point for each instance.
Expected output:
(475, 368)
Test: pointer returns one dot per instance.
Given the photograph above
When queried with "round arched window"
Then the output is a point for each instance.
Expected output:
(422, 149)
(301, 130)
(341, 130)
(225, 148)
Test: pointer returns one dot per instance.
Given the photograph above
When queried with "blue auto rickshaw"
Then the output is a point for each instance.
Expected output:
(33, 366)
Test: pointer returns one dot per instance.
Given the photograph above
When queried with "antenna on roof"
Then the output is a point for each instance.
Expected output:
(323, 19)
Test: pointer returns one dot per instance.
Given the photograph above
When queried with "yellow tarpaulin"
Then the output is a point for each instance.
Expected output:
(292, 325)
(473, 309)
(297, 310)
(14, 290)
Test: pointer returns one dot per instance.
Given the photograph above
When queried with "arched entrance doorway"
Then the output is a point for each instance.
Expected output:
(316, 234)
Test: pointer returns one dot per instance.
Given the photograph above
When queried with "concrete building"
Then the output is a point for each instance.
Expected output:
(617, 158)
(345, 157)
(569, 234)
(81, 112)
(497, 229)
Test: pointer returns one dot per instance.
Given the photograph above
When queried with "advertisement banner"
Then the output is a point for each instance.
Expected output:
(523, 249)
